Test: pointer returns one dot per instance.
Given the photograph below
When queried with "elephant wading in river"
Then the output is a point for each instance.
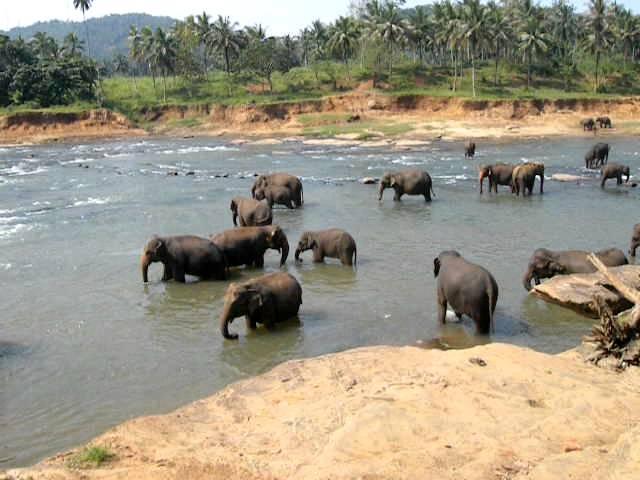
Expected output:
(597, 155)
(184, 255)
(524, 176)
(333, 243)
(548, 263)
(275, 194)
(469, 149)
(614, 170)
(498, 174)
(281, 180)
(247, 245)
(409, 182)
(468, 288)
(250, 212)
(268, 299)
(635, 240)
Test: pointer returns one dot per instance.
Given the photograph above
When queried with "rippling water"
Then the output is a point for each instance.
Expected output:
(85, 345)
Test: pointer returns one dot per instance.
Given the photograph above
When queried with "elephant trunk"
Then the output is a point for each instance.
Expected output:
(380, 191)
(285, 252)
(145, 261)
(225, 319)
(526, 280)
(297, 255)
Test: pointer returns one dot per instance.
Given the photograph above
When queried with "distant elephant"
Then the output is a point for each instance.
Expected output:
(548, 263)
(281, 180)
(250, 212)
(184, 255)
(408, 182)
(498, 174)
(524, 177)
(588, 124)
(614, 170)
(247, 245)
(604, 122)
(469, 288)
(597, 155)
(635, 240)
(469, 149)
(332, 243)
(268, 299)
(274, 194)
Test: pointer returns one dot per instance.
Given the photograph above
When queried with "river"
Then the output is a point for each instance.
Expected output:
(84, 345)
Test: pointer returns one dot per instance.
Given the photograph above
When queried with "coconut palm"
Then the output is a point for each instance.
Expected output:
(532, 38)
(44, 46)
(499, 33)
(203, 33)
(72, 46)
(306, 43)
(390, 26)
(136, 51)
(225, 39)
(318, 34)
(627, 30)
(147, 47)
(599, 37)
(84, 6)
(164, 53)
(343, 37)
(422, 32)
(448, 17)
(473, 30)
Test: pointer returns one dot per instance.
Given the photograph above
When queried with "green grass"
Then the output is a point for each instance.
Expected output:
(90, 457)
(72, 108)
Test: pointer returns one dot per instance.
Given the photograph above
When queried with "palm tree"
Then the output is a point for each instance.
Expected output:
(225, 39)
(532, 38)
(72, 46)
(306, 43)
(343, 37)
(136, 51)
(599, 37)
(44, 46)
(421, 31)
(499, 32)
(628, 31)
(164, 55)
(318, 34)
(473, 30)
(448, 17)
(84, 6)
(564, 28)
(203, 33)
(391, 28)
(147, 48)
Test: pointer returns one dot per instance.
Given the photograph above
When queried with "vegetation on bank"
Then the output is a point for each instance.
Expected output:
(90, 457)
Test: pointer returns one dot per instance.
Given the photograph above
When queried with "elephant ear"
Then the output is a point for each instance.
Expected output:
(436, 267)
(555, 267)
(255, 302)
(155, 245)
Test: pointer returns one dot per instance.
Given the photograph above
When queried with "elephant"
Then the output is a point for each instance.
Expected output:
(524, 178)
(604, 122)
(268, 299)
(469, 288)
(588, 124)
(184, 255)
(332, 243)
(597, 155)
(281, 180)
(498, 174)
(615, 170)
(250, 212)
(469, 149)
(275, 194)
(635, 240)
(409, 182)
(247, 245)
(549, 263)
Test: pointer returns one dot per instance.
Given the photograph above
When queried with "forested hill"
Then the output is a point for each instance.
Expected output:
(108, 34)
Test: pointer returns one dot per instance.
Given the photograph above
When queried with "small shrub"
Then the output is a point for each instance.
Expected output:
(90, 457)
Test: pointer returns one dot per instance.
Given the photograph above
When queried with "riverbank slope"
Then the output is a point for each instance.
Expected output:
(494, 411)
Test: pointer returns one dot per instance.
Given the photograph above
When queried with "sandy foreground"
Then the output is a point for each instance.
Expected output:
(492, 412)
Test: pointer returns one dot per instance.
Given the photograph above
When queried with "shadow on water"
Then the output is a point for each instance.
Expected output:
(329, 276)
(12, 349)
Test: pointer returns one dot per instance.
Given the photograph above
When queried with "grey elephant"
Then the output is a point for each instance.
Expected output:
(250, 212)
(184, 255)
(498, 174)
(332, 243)
(546, 263)
(597, 155)
(293, 183)
(469, 149)
(468, 288)
(604, 122)
(268, 299)
(635, 240)
(524, 176)
(274, 194)
(588, 124)
(408, 182)
(614, 170)
(247, 245)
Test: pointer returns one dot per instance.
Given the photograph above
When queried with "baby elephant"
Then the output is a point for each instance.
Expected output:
(469, 149)
(468, 288)
(251, 213)
(635, 240)
(276, 194)
(268, 299)
(597, 155)
(614, 170)
(333, 243)
(184, 255)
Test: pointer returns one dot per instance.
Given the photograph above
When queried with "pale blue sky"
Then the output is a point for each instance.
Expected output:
(280, 16)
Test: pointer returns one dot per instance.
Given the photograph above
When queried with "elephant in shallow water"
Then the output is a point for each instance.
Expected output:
(247, 245)
(548, 263)
(275, 194)
(250, 212)
(597, 155)
(468, 288)
(332, 243)
(635, 240)
(408, 182)
(469, 149)
(184, 255)
(524, 176)
(498, 174)
(281, 180)
(615, 170)
(268, 299)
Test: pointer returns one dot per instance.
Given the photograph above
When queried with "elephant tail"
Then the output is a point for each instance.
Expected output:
(490, 295)
(355, 257)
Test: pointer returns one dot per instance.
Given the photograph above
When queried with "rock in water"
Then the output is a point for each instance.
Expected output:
(578, 291)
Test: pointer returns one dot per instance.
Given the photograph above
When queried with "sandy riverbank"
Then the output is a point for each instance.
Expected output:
(379, 120)
(491, 412)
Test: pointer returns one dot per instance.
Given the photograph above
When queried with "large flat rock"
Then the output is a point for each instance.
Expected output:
(578, 291)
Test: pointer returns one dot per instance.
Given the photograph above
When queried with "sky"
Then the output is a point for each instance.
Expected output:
(279, 16)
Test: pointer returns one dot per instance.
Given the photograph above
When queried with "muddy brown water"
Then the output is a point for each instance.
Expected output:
(84, 345)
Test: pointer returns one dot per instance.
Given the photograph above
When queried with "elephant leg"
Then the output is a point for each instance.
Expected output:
(259, 261)
(242, 222)
(166, 274)
(619, 179)
(442, 309)
(318, 256)
(537, 280)
(345, 258)
(252, 324)
(178, 274)
(458, 316)
(427, 196)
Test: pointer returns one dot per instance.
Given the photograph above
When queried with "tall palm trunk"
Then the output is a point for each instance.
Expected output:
(595, 87)
(473, 75)
(164, 85)
(227, 60)
(495, 75)
(528, 69)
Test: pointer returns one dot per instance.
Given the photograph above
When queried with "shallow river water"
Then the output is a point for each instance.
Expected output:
(85, 345)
